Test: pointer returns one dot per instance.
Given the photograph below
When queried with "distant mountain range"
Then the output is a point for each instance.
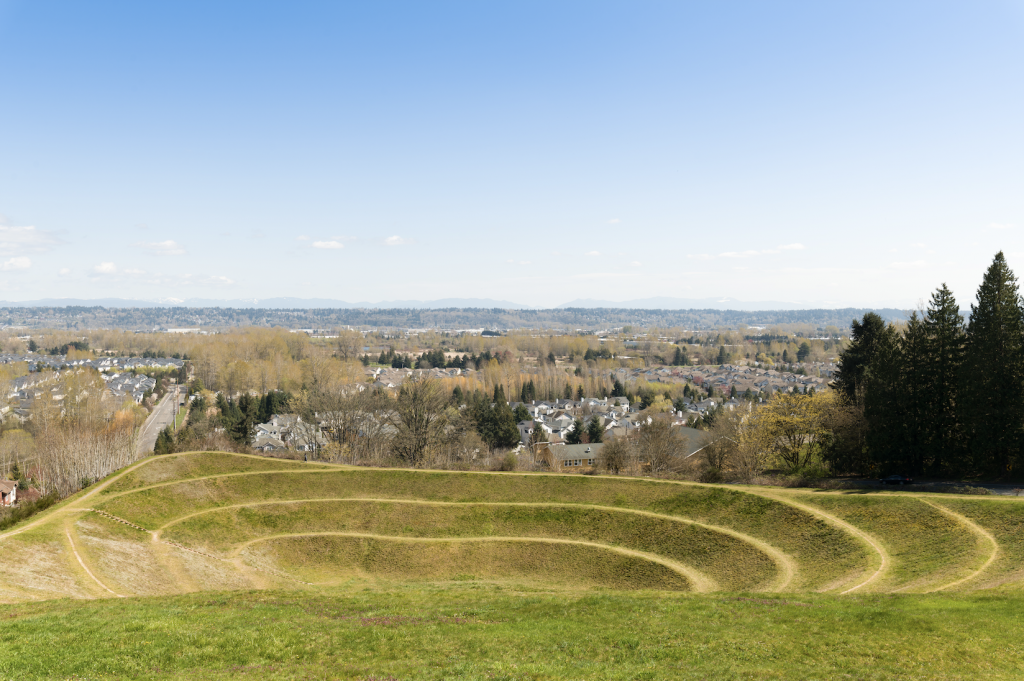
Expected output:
(656, 303)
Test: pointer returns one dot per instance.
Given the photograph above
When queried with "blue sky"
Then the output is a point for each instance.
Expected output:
(829, 153)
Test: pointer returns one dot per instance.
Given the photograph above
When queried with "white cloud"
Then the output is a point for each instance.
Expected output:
(1000, 225)
(134, 272)
(912, 265)
(302, 238)
(168, 247)
(635, 263)
(64, 271)
(614, 221)
(24, 240)
(221, 281)
(395, 241)
(105, 268)
(738, 254)
(699, 256)
(792, 247)
(328, 244)
(593, 253)
(19, 263)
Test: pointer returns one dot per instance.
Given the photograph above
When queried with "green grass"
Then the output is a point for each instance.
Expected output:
(1004, 518)
(928, 548)
(479, 630)
(439, 575)
(734, 564)
(179, 418)
(324, 559)
(823, 553)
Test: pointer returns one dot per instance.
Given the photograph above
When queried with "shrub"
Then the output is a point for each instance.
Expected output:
(28, 510)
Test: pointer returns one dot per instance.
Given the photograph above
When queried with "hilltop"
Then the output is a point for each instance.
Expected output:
(221, 521)
(211, 564)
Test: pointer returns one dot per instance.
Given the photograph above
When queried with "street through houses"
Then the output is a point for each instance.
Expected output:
(162, 416)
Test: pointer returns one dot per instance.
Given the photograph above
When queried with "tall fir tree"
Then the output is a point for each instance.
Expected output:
(942, 372)
(855, 360)
(914, 392)
(993, 376)
(880, 388)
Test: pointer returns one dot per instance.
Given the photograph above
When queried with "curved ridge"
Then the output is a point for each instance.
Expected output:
(977, 530)
(701, 582)
(786, 564)
(845, 526)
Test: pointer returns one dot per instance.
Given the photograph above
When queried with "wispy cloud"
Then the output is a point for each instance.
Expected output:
(218, 281)
(395, 241)
(911, 265)
(1000, 225)
(18, 263)
(594, 253)
(302, 238)
(169, 247)
(328, 244)
(14, 240)
(749, 253)
(134, 272)
(614, 221)
(635, 263)
(105, 268)
(64, 271)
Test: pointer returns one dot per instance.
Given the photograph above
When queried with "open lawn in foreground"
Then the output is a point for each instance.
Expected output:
(487, 630)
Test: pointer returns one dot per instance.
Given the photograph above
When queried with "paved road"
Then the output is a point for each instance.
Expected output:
(162, 416)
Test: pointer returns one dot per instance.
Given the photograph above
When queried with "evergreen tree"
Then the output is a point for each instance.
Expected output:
(579, 392)
(804, 352)
(567, 393)
(594, 430)
(164, 442)
(723, 356)
(854, 361)
(575, 436)
(618, 390)
(944, 434)
(881, 388)
(993, 377)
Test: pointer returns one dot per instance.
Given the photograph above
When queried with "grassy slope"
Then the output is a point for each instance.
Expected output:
(335, 559)
(1004, 518)
(927, 548)
(484, 631)
(823, 552)
(732, 563)
(199, 464)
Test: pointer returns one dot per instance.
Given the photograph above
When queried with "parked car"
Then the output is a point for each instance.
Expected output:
(897, 480)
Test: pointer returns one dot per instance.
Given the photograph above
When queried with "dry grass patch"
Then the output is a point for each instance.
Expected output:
(191, 465)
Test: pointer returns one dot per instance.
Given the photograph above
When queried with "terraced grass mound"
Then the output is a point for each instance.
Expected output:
(220, 521)
(332, 559)
(728, 561)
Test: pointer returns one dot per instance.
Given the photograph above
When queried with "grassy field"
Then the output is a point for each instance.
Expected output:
(480, 630)
(227, 564)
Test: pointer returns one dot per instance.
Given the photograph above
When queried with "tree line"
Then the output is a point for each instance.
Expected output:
(940, 396)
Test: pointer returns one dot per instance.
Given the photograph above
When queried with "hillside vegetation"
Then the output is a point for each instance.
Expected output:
(219, 521)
